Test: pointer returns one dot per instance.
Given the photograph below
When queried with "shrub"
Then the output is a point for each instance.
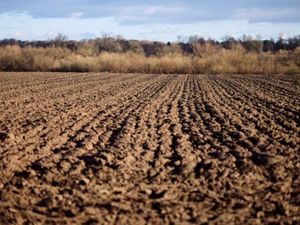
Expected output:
(209, 59)
(78, 63)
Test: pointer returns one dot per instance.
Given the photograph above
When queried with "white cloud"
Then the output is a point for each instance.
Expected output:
(134, 15)
(27, 27)
(143, 11)
(275, 14)
(151, 10)
(76, 14)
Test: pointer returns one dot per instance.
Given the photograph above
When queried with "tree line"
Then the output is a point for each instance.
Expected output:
(193, 45)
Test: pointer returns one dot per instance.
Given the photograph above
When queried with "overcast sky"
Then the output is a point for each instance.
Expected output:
(155, 20)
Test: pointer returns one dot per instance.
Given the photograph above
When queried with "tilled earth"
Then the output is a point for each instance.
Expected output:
(149, 149)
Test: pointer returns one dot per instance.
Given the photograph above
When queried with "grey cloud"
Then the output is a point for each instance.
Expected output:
(164, 11)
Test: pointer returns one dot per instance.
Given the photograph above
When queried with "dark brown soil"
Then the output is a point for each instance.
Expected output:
(149, 149)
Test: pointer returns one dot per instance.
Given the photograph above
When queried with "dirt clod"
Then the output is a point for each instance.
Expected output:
(149, 149)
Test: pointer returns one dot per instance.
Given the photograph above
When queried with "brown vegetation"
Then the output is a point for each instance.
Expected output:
(13, 58)
(117, 55)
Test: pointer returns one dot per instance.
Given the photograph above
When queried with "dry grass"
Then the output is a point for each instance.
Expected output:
(208, 60)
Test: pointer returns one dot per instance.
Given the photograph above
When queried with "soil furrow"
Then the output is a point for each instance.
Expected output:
(92, 148)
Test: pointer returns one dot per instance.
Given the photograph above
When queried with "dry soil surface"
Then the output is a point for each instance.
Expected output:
(149, 149)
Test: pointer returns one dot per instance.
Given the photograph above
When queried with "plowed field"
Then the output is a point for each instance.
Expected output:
(149, 149)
